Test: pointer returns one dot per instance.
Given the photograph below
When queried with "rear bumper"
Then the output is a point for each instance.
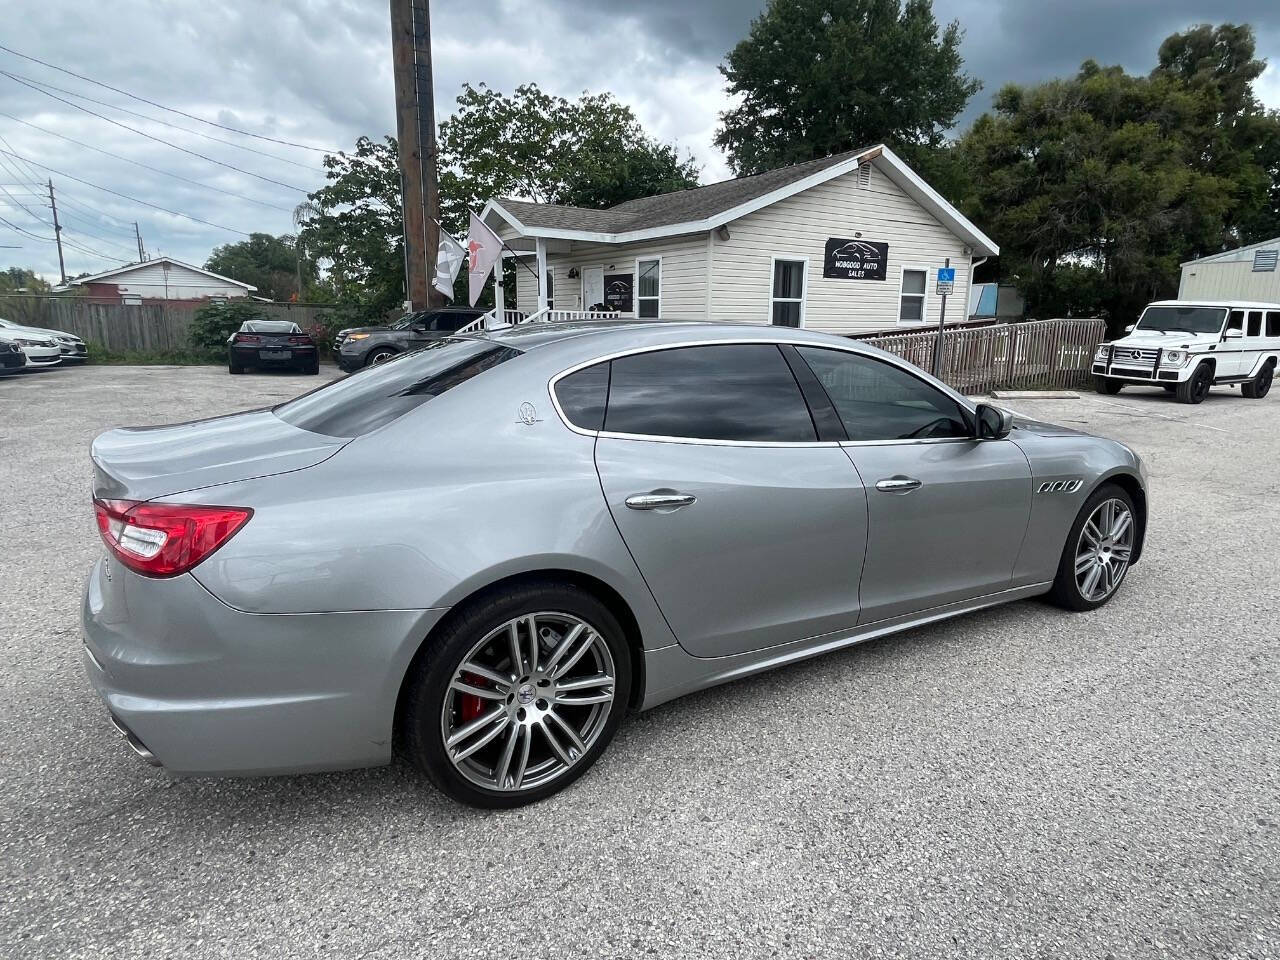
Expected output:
(252, 356)
(205, 689)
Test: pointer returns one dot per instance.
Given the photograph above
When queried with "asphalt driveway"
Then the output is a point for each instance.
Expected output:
(1020, 782)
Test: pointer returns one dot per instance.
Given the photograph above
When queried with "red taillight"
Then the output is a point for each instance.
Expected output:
(247, 338)
(165, 539)
(299, 340)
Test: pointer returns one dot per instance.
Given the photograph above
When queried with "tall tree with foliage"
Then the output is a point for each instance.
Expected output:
(269, 263)
(1098, 187)
(817, 77)
(589, 152)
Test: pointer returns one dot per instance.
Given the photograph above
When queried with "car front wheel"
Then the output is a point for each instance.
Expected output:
(1108, 385)
(378, 355)
(518, 696)
(1098, 551)
(1196, 387)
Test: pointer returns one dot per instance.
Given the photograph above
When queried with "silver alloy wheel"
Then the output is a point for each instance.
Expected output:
(1104, 550)
(380, 356)
(528, 701)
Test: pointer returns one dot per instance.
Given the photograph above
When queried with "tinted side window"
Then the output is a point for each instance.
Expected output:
(1236, 320)
(1273, 323)
(582, 395)
(878, 401)
(730, 392)
(375, 396)
(1255, 323)
(450, 322)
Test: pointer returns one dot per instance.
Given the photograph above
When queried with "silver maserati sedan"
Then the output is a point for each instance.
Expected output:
(482, 553)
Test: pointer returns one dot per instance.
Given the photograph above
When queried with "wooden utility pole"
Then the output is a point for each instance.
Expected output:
(142, 254)
(57, 233)
(416, 135)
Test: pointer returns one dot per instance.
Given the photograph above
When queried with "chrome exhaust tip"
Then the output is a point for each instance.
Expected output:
(136, 745)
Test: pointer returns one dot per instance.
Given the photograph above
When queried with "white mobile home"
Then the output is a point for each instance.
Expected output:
(1246, 273)
(842, 244)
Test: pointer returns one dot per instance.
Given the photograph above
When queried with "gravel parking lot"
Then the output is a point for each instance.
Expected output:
(1014, 783)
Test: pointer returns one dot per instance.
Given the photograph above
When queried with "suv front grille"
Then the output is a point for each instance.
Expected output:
(1122, 355)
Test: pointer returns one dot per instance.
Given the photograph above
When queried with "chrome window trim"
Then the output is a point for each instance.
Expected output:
(889, 358)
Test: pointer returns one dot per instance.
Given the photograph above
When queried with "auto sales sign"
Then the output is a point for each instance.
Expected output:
(855, 259)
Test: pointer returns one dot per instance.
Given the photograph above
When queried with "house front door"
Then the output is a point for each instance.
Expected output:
(592, 286)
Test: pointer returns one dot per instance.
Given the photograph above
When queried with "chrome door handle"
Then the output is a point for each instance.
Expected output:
(899, 484)
(660, 501)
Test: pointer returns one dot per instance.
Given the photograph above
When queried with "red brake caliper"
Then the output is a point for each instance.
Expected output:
(470, 705)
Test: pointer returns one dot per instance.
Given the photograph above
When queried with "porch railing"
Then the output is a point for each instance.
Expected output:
(1036, 354)
(489, 321)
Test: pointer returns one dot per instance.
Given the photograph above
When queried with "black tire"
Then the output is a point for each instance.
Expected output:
(420, 737)
(1259, 386)
(234, 368)
(1169, 387)
(379, 355)
(1108, 385)
(312, 368)
(1066, 591)
(1196, 387)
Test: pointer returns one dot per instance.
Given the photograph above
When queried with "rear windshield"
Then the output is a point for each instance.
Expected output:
(270, 326)
(1183, 319)
(374, 396)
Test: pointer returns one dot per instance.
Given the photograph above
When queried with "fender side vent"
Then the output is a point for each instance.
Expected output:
(1060, 486)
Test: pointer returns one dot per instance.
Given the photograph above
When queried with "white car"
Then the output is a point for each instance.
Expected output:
(38, 351)
(71, 347)
(1188, 346)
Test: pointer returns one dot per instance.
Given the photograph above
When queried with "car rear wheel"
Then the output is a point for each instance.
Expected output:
(1098, 551)
(1259, 386)
(378, 355)
(233, 367)
(518, 696)
(1108, 385)
(1196, 387)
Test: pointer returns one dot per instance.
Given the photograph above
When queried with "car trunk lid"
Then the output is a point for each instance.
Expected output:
(142, 463)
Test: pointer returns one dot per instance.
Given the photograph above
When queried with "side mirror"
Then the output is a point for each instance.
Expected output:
(1233, 334)
(993, 423)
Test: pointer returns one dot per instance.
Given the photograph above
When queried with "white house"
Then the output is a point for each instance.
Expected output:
(161, 279)
(1246, 273)
(846, 243)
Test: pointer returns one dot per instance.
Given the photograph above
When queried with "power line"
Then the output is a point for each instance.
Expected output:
(67, 214)
(142, 133)
(161, 106)
(14, 226)
(125, 196)
(42, 85)
(147, 166)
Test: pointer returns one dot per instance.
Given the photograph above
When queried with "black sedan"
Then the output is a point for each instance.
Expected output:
(271, 344)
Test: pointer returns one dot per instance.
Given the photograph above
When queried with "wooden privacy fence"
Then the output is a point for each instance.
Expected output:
(147, 327)
(1034, 354)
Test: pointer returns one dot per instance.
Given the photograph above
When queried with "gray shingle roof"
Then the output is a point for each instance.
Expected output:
(666, 209)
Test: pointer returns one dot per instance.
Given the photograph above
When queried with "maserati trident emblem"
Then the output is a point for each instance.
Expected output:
(528, 414)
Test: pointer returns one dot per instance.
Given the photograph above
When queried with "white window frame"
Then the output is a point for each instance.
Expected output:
(804, 288)
(635, 291)
(924, 298)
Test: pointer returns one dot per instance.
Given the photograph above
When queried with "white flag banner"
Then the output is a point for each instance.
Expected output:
(483, 251)
(448, 263)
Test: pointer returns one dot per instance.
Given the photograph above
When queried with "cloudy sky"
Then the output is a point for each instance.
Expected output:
(317, 72)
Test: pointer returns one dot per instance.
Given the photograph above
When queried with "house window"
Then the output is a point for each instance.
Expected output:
(787, 304)
(911, 297)
(648, 292)
(550, 291)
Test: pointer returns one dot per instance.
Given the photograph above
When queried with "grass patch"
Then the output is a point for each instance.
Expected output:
(143, 358)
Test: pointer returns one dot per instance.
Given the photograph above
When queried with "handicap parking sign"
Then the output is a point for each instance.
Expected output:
(946, 280)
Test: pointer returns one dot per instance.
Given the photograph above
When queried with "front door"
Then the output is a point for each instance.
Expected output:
(946, 514)
(592, 286)
(748, 532)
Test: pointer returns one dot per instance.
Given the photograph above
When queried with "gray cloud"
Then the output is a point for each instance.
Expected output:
(317, 71)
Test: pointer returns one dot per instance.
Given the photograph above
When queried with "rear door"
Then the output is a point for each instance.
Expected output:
(1253, 343)
(946, 513)
(749, 532)
(1230, 354)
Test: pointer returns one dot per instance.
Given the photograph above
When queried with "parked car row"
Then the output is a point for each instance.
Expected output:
(23, 348)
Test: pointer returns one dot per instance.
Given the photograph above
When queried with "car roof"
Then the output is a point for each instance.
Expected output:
(1243, 304)
(586, 339)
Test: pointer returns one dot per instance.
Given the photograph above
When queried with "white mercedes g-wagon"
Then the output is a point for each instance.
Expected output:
(1187, 346)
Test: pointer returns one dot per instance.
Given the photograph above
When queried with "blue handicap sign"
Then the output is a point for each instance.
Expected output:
(946, 274)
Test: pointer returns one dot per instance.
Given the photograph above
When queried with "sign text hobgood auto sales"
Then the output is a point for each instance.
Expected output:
(855, 259)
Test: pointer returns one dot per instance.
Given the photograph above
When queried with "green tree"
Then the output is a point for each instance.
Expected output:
(358, 233)
(20, 280)
(591, 152)
(213, 323)
(269, 263)
(817, 77)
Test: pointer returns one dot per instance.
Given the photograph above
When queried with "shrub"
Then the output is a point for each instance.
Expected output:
(214, 323)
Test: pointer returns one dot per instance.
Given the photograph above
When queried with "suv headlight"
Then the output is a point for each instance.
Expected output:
(354, 336)
(1101, 352)
(1173, 358)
